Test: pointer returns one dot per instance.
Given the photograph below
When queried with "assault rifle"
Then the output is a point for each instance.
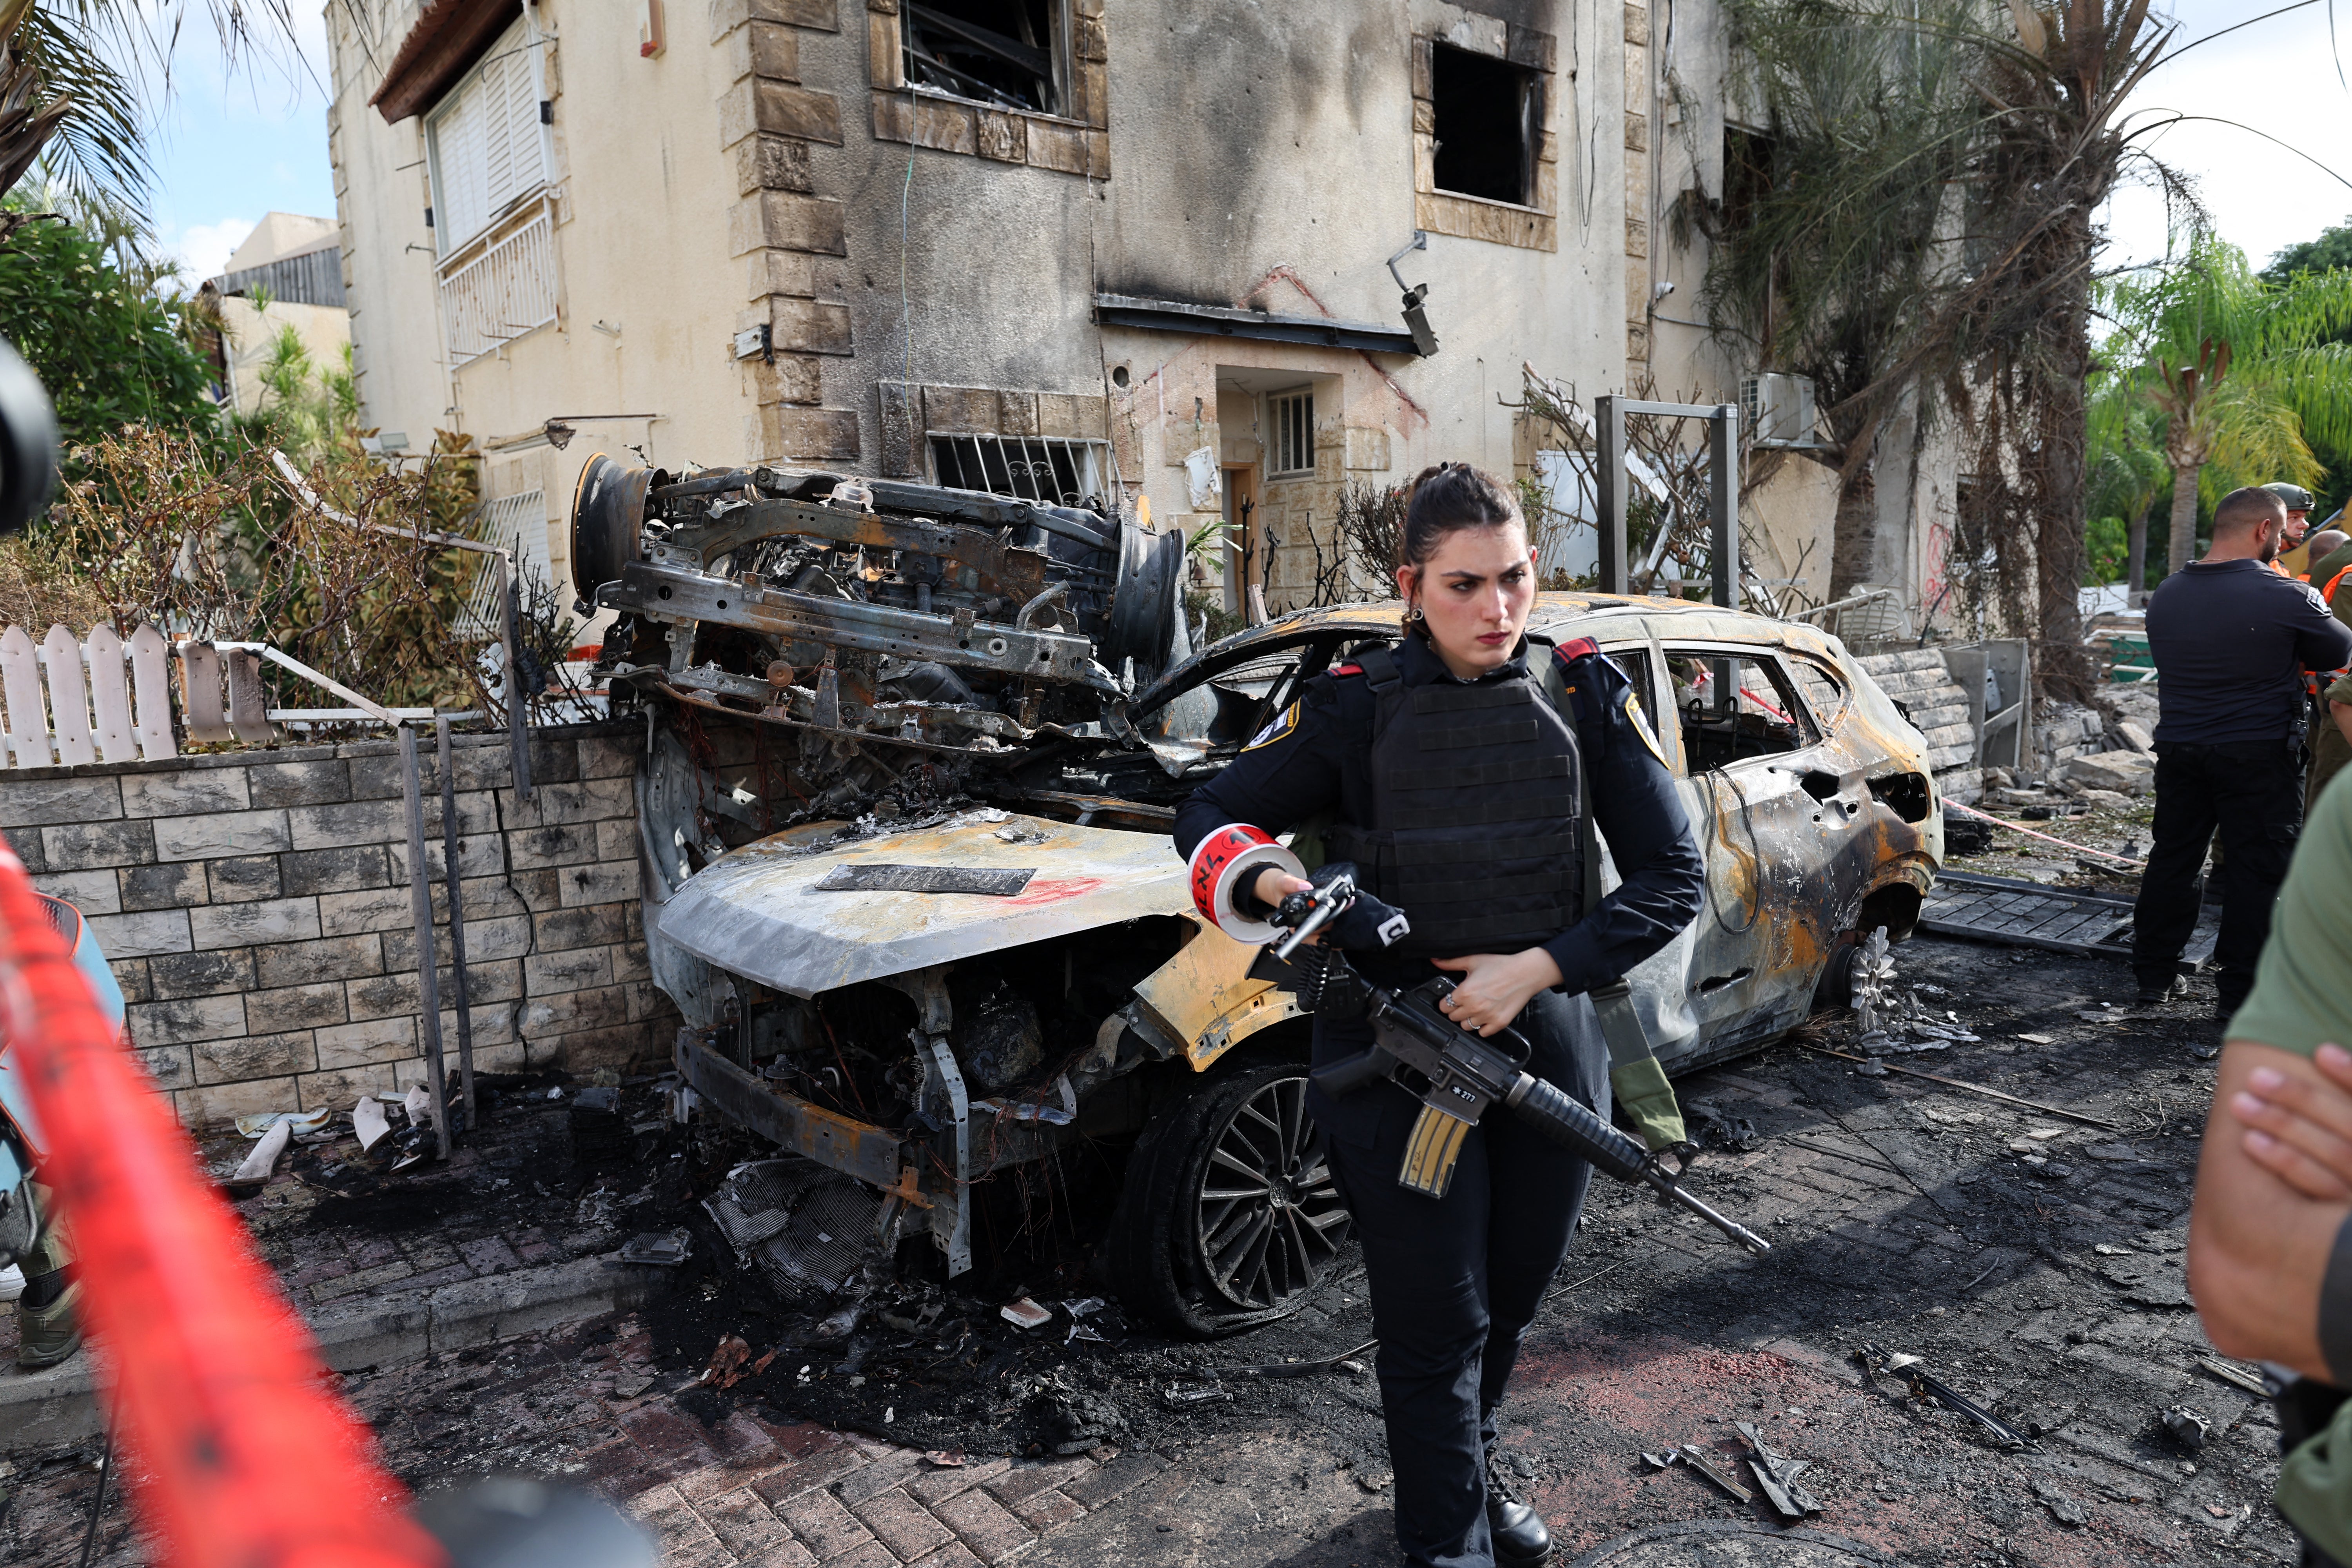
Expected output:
(1458, 1075)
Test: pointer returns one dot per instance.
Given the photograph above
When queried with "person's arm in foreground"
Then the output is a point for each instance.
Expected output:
(2258, 1241)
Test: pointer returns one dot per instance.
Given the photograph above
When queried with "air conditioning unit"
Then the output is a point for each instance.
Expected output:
(1779, 409)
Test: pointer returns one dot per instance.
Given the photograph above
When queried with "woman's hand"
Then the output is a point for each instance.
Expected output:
(1273, 884)
(2301, 1132)
(1495, 988)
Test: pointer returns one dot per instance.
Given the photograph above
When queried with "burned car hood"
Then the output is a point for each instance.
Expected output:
(757, 911)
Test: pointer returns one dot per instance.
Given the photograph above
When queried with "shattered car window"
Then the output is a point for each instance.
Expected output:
(1733, 707)
(1825, 692)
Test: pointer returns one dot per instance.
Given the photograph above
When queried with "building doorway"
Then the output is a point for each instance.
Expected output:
(1242, 564)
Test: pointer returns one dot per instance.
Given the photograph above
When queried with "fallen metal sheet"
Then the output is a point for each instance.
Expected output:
(805, 1227)
(752, 912)
(875, 876)
(2017, 913)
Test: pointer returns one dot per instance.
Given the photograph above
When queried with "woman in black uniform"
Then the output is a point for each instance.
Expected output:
(1455, 783)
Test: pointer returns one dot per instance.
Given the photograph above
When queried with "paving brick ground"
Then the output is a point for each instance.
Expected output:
(1905, 1218)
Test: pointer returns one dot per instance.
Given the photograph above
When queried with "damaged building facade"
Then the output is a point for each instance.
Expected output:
(1058, 248)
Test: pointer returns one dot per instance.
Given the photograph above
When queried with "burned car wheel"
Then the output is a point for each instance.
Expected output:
(1230, 1216)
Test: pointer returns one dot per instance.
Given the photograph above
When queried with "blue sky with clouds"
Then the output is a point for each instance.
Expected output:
(232, 146)
(230, 149)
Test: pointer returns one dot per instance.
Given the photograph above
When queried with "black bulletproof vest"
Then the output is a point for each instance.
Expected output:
(1474, 813)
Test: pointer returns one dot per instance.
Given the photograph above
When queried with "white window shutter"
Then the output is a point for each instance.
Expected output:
(487, 141)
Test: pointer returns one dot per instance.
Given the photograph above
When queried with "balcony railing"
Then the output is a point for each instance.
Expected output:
(506, 290)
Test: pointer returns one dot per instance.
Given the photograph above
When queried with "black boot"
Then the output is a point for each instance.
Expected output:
(1520, 1540)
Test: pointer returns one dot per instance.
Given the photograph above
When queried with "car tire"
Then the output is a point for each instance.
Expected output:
(1229, 1216)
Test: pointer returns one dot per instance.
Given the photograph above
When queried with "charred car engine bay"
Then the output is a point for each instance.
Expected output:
(904, 823)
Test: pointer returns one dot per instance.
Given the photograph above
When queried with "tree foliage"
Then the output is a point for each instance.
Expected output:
(1926, 230)
(110, 351)
(2246, 376)
(2331, 250)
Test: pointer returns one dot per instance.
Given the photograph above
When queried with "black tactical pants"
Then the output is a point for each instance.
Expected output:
(2252, 792)
(1454, 1281)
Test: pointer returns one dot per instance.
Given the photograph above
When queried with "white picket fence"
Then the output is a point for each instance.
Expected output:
(69, 702)
(64, 702)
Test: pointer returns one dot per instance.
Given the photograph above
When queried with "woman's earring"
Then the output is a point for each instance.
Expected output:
(1414, 613)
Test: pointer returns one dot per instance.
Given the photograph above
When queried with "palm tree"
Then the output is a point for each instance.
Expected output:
(2124, 471)
(77, 77)
(2242, 370)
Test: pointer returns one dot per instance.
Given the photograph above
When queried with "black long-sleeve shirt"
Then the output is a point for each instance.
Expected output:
(2230, 639)
(1316, 757)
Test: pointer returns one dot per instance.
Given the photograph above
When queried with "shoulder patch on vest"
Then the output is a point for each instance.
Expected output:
(1274, 732)
(1641, 723)
(1581, 647)
(1346, 669)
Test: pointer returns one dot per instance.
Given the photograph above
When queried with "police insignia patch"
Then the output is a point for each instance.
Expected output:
(1285, 724)
(1641, 728)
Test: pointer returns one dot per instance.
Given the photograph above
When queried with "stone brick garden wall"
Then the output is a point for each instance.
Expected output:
(256, 908)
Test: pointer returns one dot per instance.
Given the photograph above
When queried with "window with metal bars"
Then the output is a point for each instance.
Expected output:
(1007, 53)
(1046, 468)
(1290, 447)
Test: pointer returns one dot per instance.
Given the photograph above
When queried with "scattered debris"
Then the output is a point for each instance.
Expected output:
(369, 1121)
(2062, 1508)
(1924, 1384)
(1182, 1394)
(1974, 1088)
(628, 1385)
(2191, 1427)
(730, 1364)
(667, 1248)
(1301, 1368)
(1699, 1460)
(1777, 1474)
(2236, 1375)
(298, 1122)
(254, 1174)
(945, 1459)
(1662, 1461)
(1026, 1313)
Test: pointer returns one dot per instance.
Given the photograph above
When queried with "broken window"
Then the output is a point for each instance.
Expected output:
(1035, 467)
(1489, 123)
(1002, 52)
(1291, 449)
(1733, 707)
(1747, 175)
(1824, 690)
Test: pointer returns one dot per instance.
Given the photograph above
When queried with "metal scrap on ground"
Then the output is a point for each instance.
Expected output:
(1777, 1474)
(1924, 1384)
(1974, 1088)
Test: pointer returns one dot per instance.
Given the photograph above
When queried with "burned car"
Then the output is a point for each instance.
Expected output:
(913, 758)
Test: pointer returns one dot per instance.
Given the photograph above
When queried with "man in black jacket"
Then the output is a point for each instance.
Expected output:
(2231, 638)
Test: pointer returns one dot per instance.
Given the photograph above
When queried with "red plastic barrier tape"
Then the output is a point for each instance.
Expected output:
(1221, 862)
(217, 1390)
